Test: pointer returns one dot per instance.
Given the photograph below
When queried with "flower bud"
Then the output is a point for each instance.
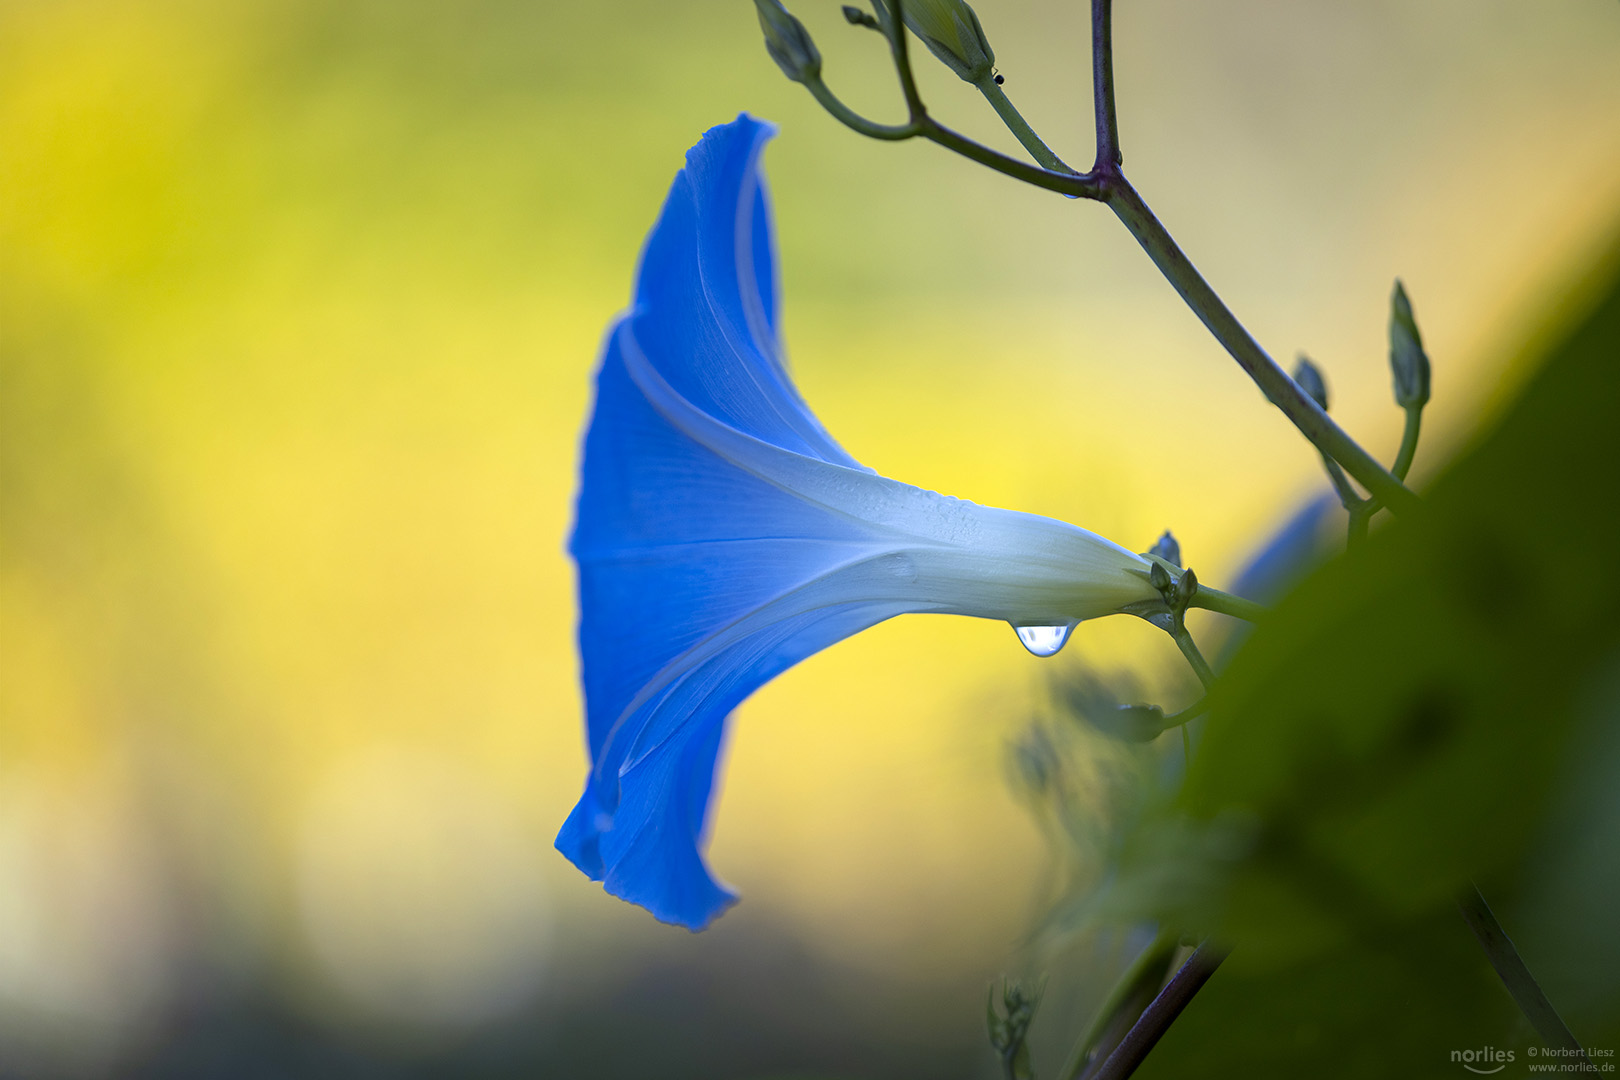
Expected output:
(1134, 723)
(951, 30)
(788, 42)
(1309, 378)
(1166, 548)
(856, 17)
(1407, 360)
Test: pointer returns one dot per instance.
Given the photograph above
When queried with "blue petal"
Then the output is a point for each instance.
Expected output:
(672, 542)
(675, 543)
(707, 290)
(1288, 554)
(649, 855)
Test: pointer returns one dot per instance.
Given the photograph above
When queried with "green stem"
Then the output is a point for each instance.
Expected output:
(1077, 185)
(1132, 994)
(1349, 496)
(997, 97)
(1361, 510)
(855, 121)
(1226, 604)
(1409, 441)
(1105, 183)
(1515, 975)
(1361, 515)
(1102, 84)
(902, 63)
(1190, 713)
(1189, 649)
(1157, 1018)
(1067, 183)
(1306, 414)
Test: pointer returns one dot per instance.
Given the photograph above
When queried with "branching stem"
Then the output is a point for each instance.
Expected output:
(1409, 441)
(997, 97)
(1107, 184)
(1076, 185)
(1363, 510)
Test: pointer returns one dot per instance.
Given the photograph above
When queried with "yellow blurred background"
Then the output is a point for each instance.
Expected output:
(299, 305)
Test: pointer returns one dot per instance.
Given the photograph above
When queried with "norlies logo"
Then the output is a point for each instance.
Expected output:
(1484, 1061)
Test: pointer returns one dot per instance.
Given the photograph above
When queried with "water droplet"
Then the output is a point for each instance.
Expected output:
(1045, 640)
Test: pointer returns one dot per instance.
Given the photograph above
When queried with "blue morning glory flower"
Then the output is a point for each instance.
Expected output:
(723, 536)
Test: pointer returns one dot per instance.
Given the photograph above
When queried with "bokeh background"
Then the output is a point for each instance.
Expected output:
(299, 304)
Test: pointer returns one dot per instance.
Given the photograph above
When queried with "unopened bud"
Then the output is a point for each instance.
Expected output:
(1159, 577)
(1166, 548)
(1407, 360)
(1309, 378)
(951, 30)
(856, 17)
(1134, 723)
(788, 42)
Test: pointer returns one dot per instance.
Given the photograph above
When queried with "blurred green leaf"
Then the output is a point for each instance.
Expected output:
(1404, 722)
(1396, 1007)
(1394, 729)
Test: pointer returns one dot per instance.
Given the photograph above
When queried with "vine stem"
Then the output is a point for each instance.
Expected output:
(1076, 185)
(1156, 1019)
(1102, 85)
(1273, 381)
(1125, 1004)
(1312, 421)
(1409, 441)
(1361, 510)
(855, 121)
(1195, 659)
(1010, 116)
(1068, 183)
(1522, 985)
(1106, 183)
(900, 51)
(1226, 604)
